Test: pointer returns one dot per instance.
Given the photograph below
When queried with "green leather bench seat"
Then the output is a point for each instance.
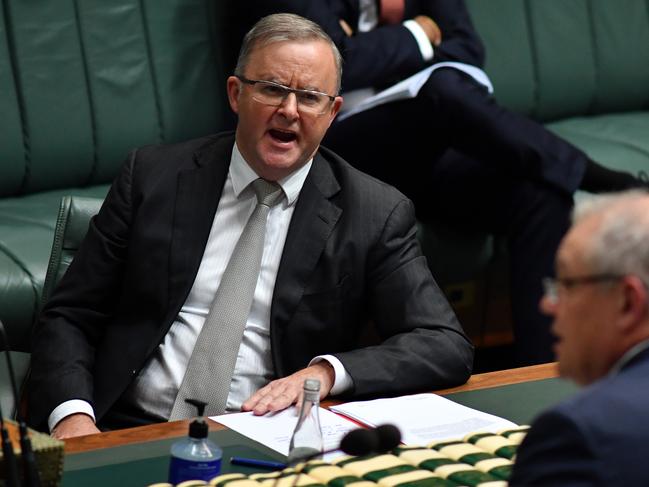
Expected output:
(620, 139)
(81, 84)
(580, 66)
(26, 231)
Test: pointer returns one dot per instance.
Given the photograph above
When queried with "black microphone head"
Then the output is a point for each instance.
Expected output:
(359, 442)
(388, 437)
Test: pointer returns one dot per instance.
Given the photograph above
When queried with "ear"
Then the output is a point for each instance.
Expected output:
(234, 91)
(633, 310)
(335, 108)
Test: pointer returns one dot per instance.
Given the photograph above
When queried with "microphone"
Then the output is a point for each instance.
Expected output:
(32, 478)
(359, 442)
(9, 459)
(388, 437)
(362, 441)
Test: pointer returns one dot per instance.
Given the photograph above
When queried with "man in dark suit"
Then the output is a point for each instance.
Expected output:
(114, 342)
(461, 157)
(600, 305)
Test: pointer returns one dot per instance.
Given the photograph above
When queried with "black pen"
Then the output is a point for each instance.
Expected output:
(251, 462)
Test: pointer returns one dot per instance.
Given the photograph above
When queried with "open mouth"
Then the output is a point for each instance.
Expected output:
(282, 135)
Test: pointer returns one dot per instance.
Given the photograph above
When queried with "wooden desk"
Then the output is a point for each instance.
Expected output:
(179, 428)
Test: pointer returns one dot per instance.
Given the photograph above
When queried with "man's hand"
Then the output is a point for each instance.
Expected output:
(345, 26)
(430, 27)
(282, 393)
(74, 425)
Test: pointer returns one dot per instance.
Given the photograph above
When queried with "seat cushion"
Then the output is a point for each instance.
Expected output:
(619, 141)
(26, 232)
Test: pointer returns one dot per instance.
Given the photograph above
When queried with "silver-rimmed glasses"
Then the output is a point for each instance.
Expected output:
(551, 285)
(274, 94)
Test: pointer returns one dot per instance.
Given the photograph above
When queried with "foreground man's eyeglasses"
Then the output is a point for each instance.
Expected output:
(551, 285)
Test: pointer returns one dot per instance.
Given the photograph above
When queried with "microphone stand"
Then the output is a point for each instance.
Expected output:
(360, 441)
(11, 470)
(32, 479)
(357, 442)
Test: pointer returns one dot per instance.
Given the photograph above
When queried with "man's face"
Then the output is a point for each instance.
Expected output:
(584, 314)
(277, 140)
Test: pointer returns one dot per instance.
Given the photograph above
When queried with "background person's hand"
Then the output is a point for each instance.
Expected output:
(282, 393)
(430, 27)
(74, 425)
(345, 26)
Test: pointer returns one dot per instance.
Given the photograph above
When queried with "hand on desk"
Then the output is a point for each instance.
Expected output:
(282, 393)
(74, 425)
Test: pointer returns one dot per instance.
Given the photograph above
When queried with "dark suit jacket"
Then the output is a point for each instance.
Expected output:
(598, 438)
(350, 255)
(381, 56)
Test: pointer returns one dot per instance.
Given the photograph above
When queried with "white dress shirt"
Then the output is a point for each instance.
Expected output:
(155, 388)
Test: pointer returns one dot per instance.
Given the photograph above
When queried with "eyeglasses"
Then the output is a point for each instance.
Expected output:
(274, 94)
(551, 285)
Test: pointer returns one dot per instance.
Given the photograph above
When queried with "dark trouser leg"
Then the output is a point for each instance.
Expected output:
(453, 111)
(532, 216)
(475, 125)
(539, 219)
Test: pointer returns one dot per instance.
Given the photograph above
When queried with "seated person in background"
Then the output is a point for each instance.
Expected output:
(182, 289)
(460, 156)
(600, 305)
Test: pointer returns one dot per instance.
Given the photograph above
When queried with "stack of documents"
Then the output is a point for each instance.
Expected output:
(275, 430)
(421, 418)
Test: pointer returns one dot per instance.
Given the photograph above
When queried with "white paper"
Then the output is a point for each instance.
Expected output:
(409, 87)
(275, 430)
(423, 418)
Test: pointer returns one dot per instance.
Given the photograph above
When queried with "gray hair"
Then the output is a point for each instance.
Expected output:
(281, 28)
(620, 244)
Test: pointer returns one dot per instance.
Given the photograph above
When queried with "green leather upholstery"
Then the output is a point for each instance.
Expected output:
(553, 59)
(81, 84)
(84, 82)
(26, 231)
(71, 227)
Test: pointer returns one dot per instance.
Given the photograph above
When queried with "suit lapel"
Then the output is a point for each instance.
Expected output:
(314, 218)
(197, 197)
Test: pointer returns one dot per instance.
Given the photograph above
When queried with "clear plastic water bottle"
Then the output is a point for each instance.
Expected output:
(307, 437)
(195, 457)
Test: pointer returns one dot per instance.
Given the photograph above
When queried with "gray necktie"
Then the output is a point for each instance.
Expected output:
(212, 362)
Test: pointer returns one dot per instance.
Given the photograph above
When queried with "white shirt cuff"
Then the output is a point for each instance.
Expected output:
(425, 46)
(342, 380)
(67, 408)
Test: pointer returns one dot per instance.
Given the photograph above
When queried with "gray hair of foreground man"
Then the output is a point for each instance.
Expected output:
(620, 245)
(282, 28)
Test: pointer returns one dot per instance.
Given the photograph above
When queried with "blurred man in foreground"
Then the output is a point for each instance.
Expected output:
(600, 305)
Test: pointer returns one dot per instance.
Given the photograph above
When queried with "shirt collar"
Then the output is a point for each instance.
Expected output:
(242, 175)
(630, 354)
